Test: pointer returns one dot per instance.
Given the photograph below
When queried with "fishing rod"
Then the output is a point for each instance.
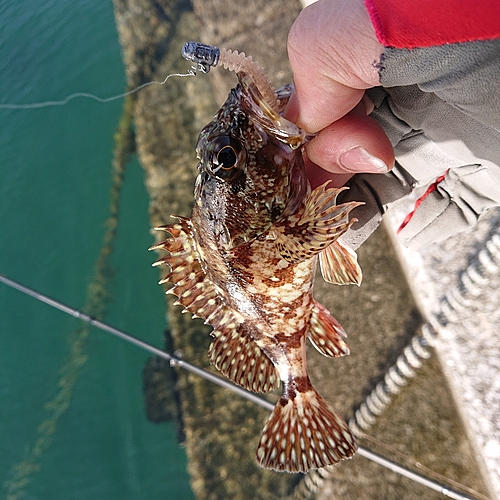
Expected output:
(177, 361)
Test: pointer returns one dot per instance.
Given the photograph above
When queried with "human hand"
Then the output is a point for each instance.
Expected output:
(434, 89)
(334, 54)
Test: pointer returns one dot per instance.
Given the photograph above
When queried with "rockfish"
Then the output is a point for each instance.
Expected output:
(245, 263)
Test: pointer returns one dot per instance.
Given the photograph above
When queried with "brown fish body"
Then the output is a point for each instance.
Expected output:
(245, 263)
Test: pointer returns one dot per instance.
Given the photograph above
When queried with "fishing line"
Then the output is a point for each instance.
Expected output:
(420, 466)
(46, 104)
(176, 361)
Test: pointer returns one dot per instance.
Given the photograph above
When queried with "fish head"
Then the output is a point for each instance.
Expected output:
(251, 171)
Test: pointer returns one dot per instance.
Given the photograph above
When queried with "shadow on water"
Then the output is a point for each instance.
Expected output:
(162, 398)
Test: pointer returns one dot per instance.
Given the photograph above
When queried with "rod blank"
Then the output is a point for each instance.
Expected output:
(176, 361)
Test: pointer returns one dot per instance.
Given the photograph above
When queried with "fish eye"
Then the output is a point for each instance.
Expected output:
(226, 158)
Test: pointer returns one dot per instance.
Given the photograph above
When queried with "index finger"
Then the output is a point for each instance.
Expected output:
(315, 105)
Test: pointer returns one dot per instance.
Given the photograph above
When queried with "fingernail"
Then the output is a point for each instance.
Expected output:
(360, 160)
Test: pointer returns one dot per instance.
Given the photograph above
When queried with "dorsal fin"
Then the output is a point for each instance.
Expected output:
(326, 333)
(315, 225)
(233, 350)
(194, 291)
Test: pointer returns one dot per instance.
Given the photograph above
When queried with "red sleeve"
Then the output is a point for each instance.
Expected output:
(424, 23)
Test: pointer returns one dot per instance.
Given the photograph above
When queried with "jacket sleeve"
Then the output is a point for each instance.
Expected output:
(440, 106)
(426, 23)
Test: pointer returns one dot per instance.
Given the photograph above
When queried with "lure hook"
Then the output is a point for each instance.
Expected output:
(207, 56)
(204, 56)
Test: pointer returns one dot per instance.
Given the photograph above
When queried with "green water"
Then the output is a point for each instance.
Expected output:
(55, 177)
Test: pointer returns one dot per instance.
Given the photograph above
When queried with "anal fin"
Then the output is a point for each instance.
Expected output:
(304, 433)
(326, 334)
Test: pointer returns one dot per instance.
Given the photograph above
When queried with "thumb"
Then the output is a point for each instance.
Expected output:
(314, 106)
(333, 52)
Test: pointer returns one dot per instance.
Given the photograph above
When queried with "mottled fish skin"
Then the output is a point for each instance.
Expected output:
(245, 263)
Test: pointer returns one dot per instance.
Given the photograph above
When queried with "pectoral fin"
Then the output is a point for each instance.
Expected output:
(339, 265)
(315, 225)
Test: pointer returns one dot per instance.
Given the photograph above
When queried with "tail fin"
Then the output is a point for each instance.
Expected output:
(304, 433)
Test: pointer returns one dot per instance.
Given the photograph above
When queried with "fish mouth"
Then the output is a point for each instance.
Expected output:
(267, 114)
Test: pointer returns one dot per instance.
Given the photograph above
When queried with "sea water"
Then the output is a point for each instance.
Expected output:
(73, 425)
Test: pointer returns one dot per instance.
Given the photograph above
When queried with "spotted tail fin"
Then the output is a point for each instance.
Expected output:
(304, 433)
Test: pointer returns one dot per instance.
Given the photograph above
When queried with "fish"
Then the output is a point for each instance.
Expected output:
(245, 263)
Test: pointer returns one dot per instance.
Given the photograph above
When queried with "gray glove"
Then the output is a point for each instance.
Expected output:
(440, 107)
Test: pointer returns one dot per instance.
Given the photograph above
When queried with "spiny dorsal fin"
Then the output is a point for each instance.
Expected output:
(237, 356)
(194, 291)
(304, 433)
(316, 224)
(325, 333)
(339, 265)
